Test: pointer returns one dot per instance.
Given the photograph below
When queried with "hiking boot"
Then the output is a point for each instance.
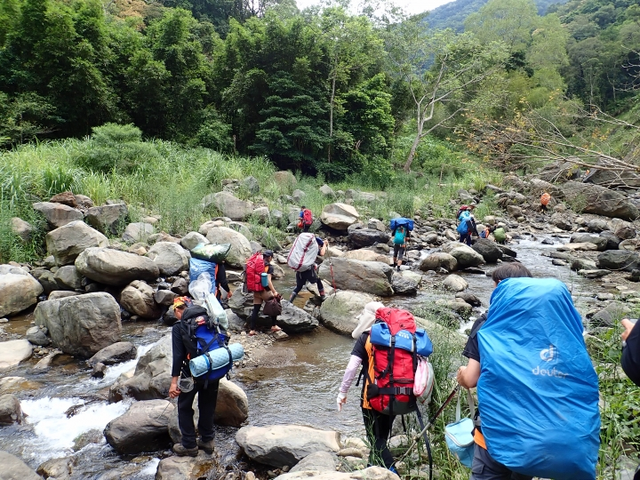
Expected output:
(182, 451)
(206, 446)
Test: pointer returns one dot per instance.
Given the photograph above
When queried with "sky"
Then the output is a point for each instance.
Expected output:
(411, 6)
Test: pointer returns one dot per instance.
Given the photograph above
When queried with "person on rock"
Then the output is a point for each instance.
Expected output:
(311, 275)
(207, 390)
(264, 295)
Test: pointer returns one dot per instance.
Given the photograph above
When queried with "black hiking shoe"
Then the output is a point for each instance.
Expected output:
(206, 446)
(182, 451)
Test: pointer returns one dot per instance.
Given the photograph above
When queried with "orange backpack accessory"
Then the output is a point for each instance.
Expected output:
(544, 199)
(253, 270)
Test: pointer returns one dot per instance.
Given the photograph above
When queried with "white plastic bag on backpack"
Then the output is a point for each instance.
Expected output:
(200, 290)
(423, 383)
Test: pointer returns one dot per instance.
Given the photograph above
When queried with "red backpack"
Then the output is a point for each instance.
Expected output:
(307, 216)
(391, 374)
(253, 269)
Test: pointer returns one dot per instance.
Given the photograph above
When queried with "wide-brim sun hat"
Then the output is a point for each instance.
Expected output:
(366, 318)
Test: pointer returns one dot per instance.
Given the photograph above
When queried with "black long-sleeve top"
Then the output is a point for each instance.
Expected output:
(221, 276)
(631, 355)
(179, 352)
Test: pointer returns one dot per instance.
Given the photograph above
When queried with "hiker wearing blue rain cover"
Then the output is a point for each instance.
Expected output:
(537, 388)
(400, 232)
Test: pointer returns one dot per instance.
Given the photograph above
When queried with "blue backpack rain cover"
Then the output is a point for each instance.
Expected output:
(463, 226)
(538, 390)
(396, 222)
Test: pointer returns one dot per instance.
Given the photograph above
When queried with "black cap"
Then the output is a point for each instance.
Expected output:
(267, 253)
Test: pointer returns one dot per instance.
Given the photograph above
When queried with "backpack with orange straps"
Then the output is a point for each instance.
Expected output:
(253, 270)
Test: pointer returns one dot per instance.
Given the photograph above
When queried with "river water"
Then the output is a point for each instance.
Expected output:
(64, 416)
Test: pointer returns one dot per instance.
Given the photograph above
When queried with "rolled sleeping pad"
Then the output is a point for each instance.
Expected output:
(215, 359)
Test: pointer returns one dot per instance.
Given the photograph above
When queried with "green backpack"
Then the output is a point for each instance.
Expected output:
(400, 235)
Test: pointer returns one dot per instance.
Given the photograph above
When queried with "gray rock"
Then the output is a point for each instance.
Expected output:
(183, 468)
(295, 320)
(327, 191)
(438, 260)
(370, 277)
(465, 255)
(455, 283)
(57, 468)
(22, 229)
(164, 297)
(170, 257)
(618, 260)
(488, 249)
(610, 315)
(192, 239)
(339, 311)
(114, 267)
(230, 206)
(623, 230)
(600, 200)
(137, 232)
(578, 264)
(562, 221)
(38, 336)
(597, 225)
(138, 298)
(108, 219)
(613, 241)
(82, 324)
(67, 242)
(18, 290)
(143, 428)
(298, 195)
(115, 353)
(514, 211)
(251, 184)
(366, 255)
(285, 445)
(594, 273)
(365, 237)
(339, 216)
(68, 278)
(46, 279)
(317, 462)
(285, 178)
(369, 473)
(262, 215)
(240, 247)
(470, 298)
(600, 242)
(406, 282)
(10, 411)
(58, 214)
(15, 469)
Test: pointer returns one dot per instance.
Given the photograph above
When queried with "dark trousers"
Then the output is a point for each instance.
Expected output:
(378, 428)
(307, 276)
(465, 238)
(484, 467)
(207, 398)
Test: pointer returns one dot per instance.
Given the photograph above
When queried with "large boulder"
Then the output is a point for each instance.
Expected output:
(115, 353)
(58, 214)
(81, 324)
(10, 411)
(107, 218)
(138, 299)
(339, 311)
(365, 237)
(13, 352)
(488, 249)
(618, 260)
(143, 428)
(67, 242)
(18, 290)
(366, 255)
(137, 232)
(67, 277)
(455, 283)
(339, 216)
(183, 468)
(114, 267)
(437, 260)
(230, 206)
(370, 277)
(600, 200)
(406, 282)
(240, 247)
(170, 257)
(465, 255)
(15, 469)
(295, 320)
(22, 229)
(285, 445)
(192, 239)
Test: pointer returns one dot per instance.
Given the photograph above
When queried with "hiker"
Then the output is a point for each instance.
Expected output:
(221, 281)
(544, 201)
(500, 235)
(400, 236)
(306, 219)
(487, 231)
(466, 223)
(377, 425)
(559, 307)
(311, 275)
(207, 390)
(631, 358)
(267, 292)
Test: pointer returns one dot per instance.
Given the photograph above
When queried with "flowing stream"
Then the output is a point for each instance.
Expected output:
(66, 413)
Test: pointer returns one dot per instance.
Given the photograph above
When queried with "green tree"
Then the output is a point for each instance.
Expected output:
(508, 21)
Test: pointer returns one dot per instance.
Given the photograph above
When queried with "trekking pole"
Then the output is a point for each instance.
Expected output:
(430, 422)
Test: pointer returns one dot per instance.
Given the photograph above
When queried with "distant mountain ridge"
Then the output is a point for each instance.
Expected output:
(452, 15)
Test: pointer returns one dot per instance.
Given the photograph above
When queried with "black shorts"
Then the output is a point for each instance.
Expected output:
(398, 251)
